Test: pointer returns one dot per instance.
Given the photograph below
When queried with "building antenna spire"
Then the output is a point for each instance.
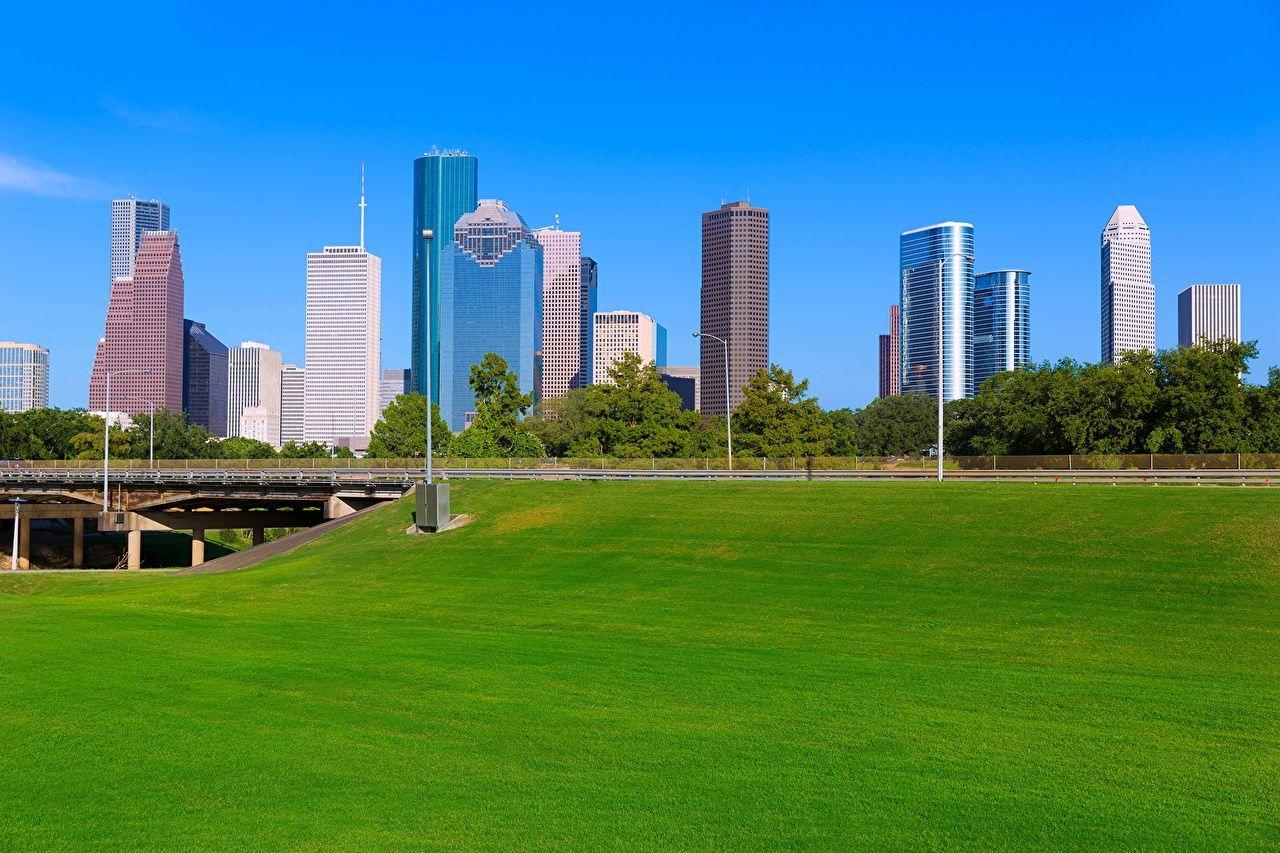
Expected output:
(362, 206)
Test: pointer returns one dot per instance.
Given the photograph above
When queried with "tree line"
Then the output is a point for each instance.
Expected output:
(1184, 400)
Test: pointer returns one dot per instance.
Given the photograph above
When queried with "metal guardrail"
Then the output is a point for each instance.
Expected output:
(364, 477)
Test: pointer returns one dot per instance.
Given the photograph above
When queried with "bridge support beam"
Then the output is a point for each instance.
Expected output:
(77, 542)
(197, 547)
(24, 543)
(135, 549)
(259, 535)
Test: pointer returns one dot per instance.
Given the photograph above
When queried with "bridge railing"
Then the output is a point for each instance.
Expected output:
(1062, 462)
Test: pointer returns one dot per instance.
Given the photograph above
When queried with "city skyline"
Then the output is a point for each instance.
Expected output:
(254, 163)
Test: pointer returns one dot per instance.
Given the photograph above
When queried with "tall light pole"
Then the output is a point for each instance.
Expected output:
(728, 402)
(942, 262)
(17, 519)
(432, 497)
(106, 434)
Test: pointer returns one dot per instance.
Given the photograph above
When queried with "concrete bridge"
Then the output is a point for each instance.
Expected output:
(191, 501)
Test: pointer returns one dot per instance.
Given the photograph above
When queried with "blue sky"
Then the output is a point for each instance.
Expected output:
(851, 124)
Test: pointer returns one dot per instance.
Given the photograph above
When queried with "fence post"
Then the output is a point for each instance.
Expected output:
(993, 461)
(1152, 463)
(1237, 461)
(1069, 463)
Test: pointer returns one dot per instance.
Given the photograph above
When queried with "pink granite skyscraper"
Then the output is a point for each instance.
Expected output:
(562, 314)
(144, 331)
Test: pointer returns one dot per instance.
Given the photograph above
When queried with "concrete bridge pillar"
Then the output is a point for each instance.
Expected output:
(259, 535)
(197, 547)
(77, 542)
(135, 549)
(24, 543)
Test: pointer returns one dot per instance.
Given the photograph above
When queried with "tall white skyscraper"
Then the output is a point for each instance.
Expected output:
(620, 332)
(1208, 312)
(344, 336)
(130, 219)
(1128, 296)
(292, 403)
(562, 296)
(253, 392)
(24, 377)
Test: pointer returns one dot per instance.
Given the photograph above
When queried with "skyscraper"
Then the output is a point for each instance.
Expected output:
(735, 301)
(143, 332)
(24, 377)
(445, 187)
(561, 310)
(930, 256)
(253, 392)
(683, 380)
(490, 301)
(1208, 312)
(890, 356)
(292, 403)
(1001, 323)
(130, 219)
(395, 381)
(204, 379)
(344, 336)
(1128, 296)
(590, 278)
(620, 332)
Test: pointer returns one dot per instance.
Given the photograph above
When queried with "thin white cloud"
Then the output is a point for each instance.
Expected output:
(22, 176)
(175, 121)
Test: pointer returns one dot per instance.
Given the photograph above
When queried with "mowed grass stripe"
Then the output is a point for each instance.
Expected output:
(673, 664)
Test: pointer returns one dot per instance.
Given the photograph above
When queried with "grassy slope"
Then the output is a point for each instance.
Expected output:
(592, 664)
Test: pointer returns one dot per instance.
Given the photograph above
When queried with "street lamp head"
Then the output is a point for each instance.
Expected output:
(428, 234)
(697, 334)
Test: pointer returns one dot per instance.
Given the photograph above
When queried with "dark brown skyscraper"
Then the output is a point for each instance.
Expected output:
(890, 354)
(735, 300)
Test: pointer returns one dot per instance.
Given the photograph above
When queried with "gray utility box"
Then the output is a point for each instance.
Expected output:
(433, 506)
(112, 522)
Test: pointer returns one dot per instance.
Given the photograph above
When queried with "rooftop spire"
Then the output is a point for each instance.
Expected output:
(362, 205)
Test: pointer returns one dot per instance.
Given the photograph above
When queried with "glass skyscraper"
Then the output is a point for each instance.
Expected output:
(943, 251)
(490, 301)
(445, 188)
(1001, 323)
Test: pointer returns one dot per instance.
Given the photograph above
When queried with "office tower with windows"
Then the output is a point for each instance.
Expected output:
(130, 219)
(590, 278)
(395, 381)
(1001, 323)
(890, 360)
(253, 392)
(24, 377)
(143, 332)
(735, 301)
(683, 380)
(204, 379)
(561, 310)
(1208, 312)
(343, 342)
(292, 403)
(932, 259)
(445, 188)
(620, 332)
(490, 301)
(1128, 296)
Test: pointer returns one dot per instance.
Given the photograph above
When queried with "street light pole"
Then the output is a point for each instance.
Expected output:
(728, 403)
(427, 236)
(17, 519)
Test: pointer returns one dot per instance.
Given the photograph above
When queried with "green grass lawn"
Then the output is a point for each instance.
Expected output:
(686, 665)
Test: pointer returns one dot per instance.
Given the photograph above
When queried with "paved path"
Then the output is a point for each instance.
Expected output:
(252, 556)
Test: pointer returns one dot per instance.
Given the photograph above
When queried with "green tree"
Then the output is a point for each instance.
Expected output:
(175, 438)
(901, 425)
(1202, 405)
(776, 419)
(46, 433)
(500, 404)
(304, 450)
(401, 432)
(239, 447)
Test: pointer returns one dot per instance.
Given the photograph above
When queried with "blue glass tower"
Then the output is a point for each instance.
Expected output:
(1001, 323)
(932, 258)
(445, 187)
(490, 301)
